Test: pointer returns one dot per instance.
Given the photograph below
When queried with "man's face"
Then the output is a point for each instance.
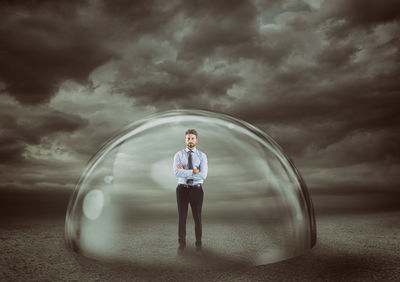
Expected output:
(191, 140)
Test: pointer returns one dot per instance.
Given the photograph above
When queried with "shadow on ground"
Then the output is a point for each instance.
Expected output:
(323, 263)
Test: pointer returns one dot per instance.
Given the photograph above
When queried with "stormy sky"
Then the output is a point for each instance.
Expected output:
(321, 77)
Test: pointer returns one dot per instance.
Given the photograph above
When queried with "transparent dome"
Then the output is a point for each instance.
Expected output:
(256, 207)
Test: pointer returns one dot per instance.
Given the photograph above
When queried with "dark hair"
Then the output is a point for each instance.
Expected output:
(191, 131)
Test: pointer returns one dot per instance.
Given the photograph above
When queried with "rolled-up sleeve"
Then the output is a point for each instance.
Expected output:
(203, 169)
(181, 173)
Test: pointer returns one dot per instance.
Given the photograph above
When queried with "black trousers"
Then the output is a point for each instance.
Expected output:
(194, 197)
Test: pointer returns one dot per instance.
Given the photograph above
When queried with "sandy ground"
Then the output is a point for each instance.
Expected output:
(358, 247)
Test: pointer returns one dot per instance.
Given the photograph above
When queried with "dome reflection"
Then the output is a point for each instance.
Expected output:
(256, 207)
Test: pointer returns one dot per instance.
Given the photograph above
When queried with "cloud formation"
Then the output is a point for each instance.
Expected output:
(320, 77)
(45, 43)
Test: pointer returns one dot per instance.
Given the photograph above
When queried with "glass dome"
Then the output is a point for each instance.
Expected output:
(256, 207)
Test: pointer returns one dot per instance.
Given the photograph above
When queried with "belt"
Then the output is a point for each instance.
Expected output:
(190, 186)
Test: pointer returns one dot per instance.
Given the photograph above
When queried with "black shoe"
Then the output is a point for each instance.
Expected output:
(181, 249)
(198, 247)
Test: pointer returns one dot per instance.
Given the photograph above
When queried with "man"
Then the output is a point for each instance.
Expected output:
(190, 167)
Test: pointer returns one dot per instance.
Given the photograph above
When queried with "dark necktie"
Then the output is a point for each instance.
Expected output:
(190, 164)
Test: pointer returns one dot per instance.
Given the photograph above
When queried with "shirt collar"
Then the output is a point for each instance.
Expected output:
(187, 150)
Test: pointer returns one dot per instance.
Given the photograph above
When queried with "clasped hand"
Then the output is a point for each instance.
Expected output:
(180, 166)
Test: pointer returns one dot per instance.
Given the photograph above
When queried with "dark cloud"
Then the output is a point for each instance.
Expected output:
(11, 151)
(232, 30)
(43, 44)
(322, 79)
(337, 57)
(56, 121)
(171, 81)
(179, 88)
(364, 13)
(135, 18)
(34, 126)
(218, 25)
(212, 28)
(19, 130)
(358, 15)
(331, 116)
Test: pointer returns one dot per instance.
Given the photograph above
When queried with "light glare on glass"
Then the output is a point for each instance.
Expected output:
(256, 207)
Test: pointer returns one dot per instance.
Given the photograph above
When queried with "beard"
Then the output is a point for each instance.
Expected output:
(191, 145)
